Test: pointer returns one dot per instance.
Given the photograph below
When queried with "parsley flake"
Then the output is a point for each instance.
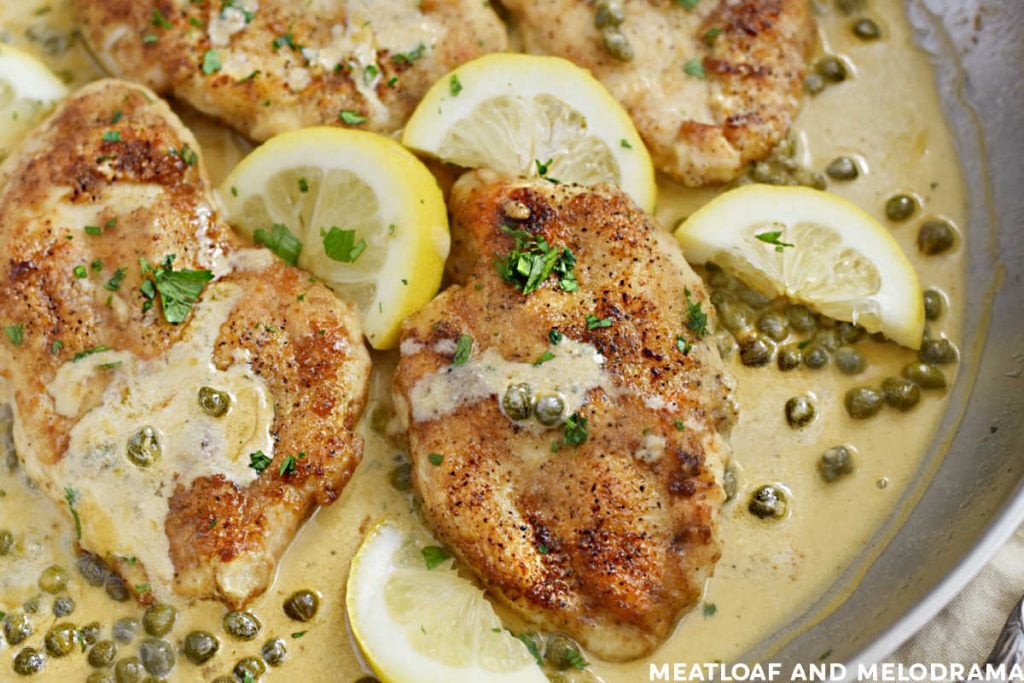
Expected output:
(409, 57)
(575, 430)
(688, 4)
(370, 74)
(694, 68)
(544, 358)
(288, 466)
(712, 33)
(88, 352)
(114, 283)
(532, 647)
(593, 322)
(434, 555)
(463, 349)
(624, 143)
(281, 241)
(351, 118)
(542, 171)
(159, 20)
(178, 289)
(772, 237)
(554, 336)
(80, 272)
(71, 497)
(186, 154)
(259, 461)
(15, 333)
(710, 608)
(454, 85)
(698, 321)
(303, 185)
(683, 345)
(56, 346)
(211, 62)
(93, 230)
(340, 245)
(532, 260)
(679, 424)
(435, 459)
(111, 136)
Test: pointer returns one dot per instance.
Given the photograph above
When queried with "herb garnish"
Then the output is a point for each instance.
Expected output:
(93, 230)
(281, 241)
(303, 185)
(211, 62)
(178, 289)
(288, 466)
(351, 118)
(435, 459)
(694, 68)
(159, 20)
(532, 646)
(114, 283)
(285, 39)
(554, 336)
(463, 349)
(16, 333)
(71, 496)
(593, 322)
(259, 461)
(575, 430)
(710, 608)
(772, 237)
(542, 171)
(688, 4)
(544, 358)
(88, 352)
(298, 634)
(340, 245)
(370, 73)
(410, 56)
(679, 424)
(56, 346)
(111, 136)
(683, 345)
(698, 321)
(186, 154)
(712, 33)
(454, 85)
(434, 555)
(80, 272)
(532, 260)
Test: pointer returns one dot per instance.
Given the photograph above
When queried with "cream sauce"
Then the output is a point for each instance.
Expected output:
(889, 115)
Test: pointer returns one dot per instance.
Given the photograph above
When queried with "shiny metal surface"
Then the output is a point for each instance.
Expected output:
(971, 495)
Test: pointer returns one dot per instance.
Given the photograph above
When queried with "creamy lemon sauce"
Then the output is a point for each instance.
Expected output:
(887, 115)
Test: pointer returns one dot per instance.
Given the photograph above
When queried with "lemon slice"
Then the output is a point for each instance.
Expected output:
(515, 113)
(815, 248)
(28, 90)
(370, 217)
(426, 625)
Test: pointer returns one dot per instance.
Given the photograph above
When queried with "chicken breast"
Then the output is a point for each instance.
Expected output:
(602, 524)
(710, 89)
(188, 439)
(270, 66)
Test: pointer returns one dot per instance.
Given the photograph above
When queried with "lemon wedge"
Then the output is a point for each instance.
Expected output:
(355, 209)
(427, 625)
(812, 247)
(530, 116)
(28, 90)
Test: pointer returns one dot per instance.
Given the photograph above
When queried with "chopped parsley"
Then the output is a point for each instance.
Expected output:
(532, 646)
(576, 660)
(114, 283)
(149, 39)
(259, 461)
(695, 68)
(532, 260)
(298, 634)
(435, 459)
(593, 322)
(554, 336)
(712, 33)
(159, 20)
(542, 171)
(186, 154)
(340, 245)
(142, 588)
(688, 4)
(710, 608)
(351, 118)
(71, 497)
(454, 85)
(679, 424)
(15, 333)
(698, 319)
(56, 346)
(283, 40)
(543, 549)
(281, 241)
(434, 555)
(96, 265)
(772, 237)
(370, 73)
(93, 230)
(575, 430)
(88, 352)
(683, 345)
(288, 465)
(463, 349)
(178, 289)
(111, 136)
(303, 185)
(410, 56)
(211, 62)
(80, 272)
(624, 143)
(544, 358)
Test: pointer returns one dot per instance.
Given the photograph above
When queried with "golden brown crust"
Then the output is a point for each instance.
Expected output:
(700, 130)
(592, 541)
(290, 64)
(115, 157)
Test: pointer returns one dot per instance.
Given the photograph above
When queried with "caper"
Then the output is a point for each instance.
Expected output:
(116, 588)
(850, 333)
(562, 653)
(756, 351)
(400, 477)
(925, 376)
(866, 29)
(253, 666)
(616, 44)
(550, 409)
(100, 677)
(800, 411)
(789, 357)
(144, 447)
(63, 606)
(935, 236)
(900, 207)
(730, 481)
(200, 646)
(937, 352)
(849, 360)
(751, 296)
(800, 318)
(159, 619)
(773, 325)
(835, 463)
(816, 356)
(31, 606)
(302, 605)
(517, 401)
(828, 338)
(125, 629)
(814, 83)
(862, 402)
(103, 654)
(901, 394)
(726, 344)
(92, 569)
(933, 304)
(129, 670)
(831, 69)
(29, 661)
(60, 639)
(717, 277)
(157, 656)
(809, 178)
(842, 168)
(609, 13)
(17, 627)
(733, 316)
(243, 625)
(213, 402)
(53, 579)
(90, 633)
(6, 543)
(768, 501)
(274, 652)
